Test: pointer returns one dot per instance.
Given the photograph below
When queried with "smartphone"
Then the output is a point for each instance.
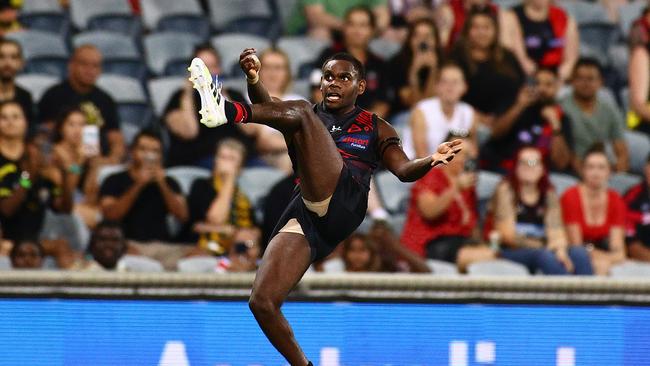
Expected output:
(90, 140)
(241, 247)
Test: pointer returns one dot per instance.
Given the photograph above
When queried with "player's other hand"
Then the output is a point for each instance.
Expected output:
(249, 63)
(446, 152)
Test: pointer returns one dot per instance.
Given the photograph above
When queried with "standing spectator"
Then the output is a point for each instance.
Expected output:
(80, 160)
(433, 119)
(11, 63)
(415, 68)
(594, 214)
(442, 215)
(550, 35)
(141, 197)
(535, 119)
(217, 206)
(528, 218)
(493, 74)
(321, 18)
(191, 142)
(593, 119)
(358, 30)
(638, 218)
(26, 189)
(639, 73)
(27, 254)
(80, 89)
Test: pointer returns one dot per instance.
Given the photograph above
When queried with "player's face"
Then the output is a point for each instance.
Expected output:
(340, 85)
(10, 61)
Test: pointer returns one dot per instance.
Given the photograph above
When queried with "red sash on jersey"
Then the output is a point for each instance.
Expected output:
(559, 21)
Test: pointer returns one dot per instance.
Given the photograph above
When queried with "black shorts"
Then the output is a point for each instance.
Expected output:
(346, 211)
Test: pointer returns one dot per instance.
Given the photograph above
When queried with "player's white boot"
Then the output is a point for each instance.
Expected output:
(212, 102)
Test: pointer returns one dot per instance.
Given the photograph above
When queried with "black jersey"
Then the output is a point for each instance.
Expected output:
(355, 136)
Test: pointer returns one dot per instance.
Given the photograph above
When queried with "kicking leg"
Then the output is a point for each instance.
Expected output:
(285, 261)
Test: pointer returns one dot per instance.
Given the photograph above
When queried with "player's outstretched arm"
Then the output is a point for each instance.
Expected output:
(250, 65)
(395, 160)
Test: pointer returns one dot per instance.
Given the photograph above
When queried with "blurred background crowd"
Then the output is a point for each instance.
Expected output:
(104, 166)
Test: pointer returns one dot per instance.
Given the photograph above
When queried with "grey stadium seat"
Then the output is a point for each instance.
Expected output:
(5, 263)
(111, 45)
(165, 47)
(442, 268)
(45, 15)
(628, 13)
(132, 104)
(162, 89)
(114, 15)
(487, 183)
(638, 147)
(301, 50)
(397, 222)
(257, 182)
(384, 48)
(562, 182)
(223, 12)
(497, 267)
(37, 84)
(175, 15)
(199, 264)
(622, 182)
(585, 12)
(230, 45)
(185, 176)
(630, 268)
(393, 193)
(43, 51)
(41, 6)
(139, 263)
(301, 87)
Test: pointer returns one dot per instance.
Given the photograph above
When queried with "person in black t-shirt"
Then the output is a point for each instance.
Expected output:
(79, 90)
(535, 119)
(358, 30)
(191, 143)
(11, 62)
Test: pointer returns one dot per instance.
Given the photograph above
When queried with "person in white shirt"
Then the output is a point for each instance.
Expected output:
(433, 119)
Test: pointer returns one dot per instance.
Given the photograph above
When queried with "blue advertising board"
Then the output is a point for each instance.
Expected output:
(196, 333)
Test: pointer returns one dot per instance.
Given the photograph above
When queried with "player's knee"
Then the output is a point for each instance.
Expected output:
(262, 305)
(300, 109)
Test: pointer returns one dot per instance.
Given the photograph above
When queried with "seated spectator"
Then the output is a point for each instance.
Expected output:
(141, 197)
(81, 161)
(433, 119)
(493, 74)
(217, 206)
(528, 219)
(639, 73)
(107, 246)
(191, 142)
(26, 187)
(80, 90)
(275, 74)
(535, 119)
(393, 255)
(414, 69)
(244, 253)
(27, 254)
(593, 120)
(11, 63)
(594, 214)
(358, 30)
(550, 35)
(442, 214)
(9, 16)
(638, 218)
(403, 13)
(5, 245)
(360, 254)
(322, 18)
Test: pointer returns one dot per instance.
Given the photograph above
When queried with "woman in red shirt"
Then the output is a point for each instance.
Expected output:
(594, 215)
(442, 214)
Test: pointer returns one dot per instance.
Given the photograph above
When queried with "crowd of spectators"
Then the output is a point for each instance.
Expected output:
(509, 81)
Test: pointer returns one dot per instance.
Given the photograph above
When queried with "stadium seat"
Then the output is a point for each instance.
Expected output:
(107, 170)
(36, 84)
(185, 176)
(334, 265)
(130, 97)
(562, 182)
(44, 52)
(259, 26)
(165, 47)
(161, 90)
(638, 146)
(619, 56)
(487, 183)
(393, 193)
(397, 222)
(301, 50)
(235, 84)
(442, 268)
(44, 15)
(497, 267)
(599, 37)
(68, 227)
(628, 13)
(138, 263)
(113, 16)
(624, 96)
(257, 182)
(177, 16)
(301, 87)
(231, 45)
(384, 48)
(507, 4)
(199, 264)
(223, 12)
(5, 263)
(622, 182)
(585, 12)
(631, 268)
(120, 52)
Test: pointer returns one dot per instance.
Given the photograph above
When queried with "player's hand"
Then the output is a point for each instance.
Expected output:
(250, 64)
(446, 152)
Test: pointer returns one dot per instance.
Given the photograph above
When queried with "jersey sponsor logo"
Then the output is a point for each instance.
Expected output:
(359, 142)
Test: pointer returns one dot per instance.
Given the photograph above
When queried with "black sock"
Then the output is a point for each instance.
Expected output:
(237, 112)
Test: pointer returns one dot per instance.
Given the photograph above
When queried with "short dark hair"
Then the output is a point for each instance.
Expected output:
(344, 56)
(105, 224)
(588, 62)
(364, 9)
(596, 148)
(146, 132)
(206, 47)
(20, 243)
(550, 70)
(61, 117)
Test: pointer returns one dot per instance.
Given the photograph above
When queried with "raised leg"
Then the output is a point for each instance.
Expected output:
(285, 261)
